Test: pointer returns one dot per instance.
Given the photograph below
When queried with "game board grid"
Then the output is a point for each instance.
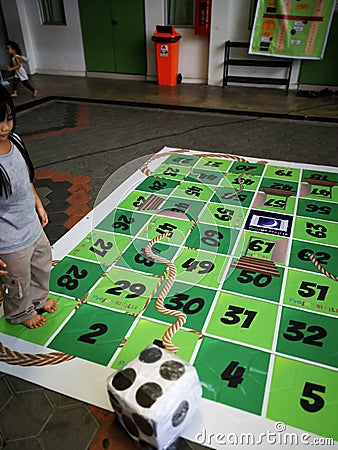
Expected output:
(281, 307)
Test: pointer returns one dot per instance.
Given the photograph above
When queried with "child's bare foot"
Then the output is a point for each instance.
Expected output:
(14, 94)
(35, 321)
(50, 306)
(35, 93)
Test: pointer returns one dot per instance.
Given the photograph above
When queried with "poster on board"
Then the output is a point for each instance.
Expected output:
(292, 29)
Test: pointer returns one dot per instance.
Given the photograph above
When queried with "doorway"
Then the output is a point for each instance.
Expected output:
(113, 33)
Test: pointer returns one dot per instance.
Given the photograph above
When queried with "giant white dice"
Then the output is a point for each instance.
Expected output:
(154, 396)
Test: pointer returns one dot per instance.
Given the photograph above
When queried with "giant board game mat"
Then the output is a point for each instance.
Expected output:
(254, 247)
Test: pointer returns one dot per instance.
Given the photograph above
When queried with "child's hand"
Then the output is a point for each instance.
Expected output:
(9, 68)
(2, 267)
(42, 215)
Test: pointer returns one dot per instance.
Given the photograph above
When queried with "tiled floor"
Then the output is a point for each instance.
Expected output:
(77, 146)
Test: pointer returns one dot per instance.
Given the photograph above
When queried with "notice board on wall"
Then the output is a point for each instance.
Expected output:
(289, 28)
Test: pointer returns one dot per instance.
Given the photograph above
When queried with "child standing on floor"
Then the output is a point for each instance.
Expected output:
(25, 253)
(16, 66)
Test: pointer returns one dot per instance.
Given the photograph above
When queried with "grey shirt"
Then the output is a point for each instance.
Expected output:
(19, 223)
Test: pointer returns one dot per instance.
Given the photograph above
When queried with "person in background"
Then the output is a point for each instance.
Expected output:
(16, 66)
(25, 252)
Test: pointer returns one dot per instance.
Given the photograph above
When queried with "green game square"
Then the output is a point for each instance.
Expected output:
(254, 284)
(135, 199)
(308, 336)
(249, 182)
(194, 191)
(74, 277)
(282, 173)
(93, 334)
(41, 335)
(275, 203)
(144, 334)
(123, 221)
(100, 247)
(210, 163)
(157, 185)
(212, 238)
(317, 209)
(320, 193)
(325, 255)
(171, 171)
(232, 374)
(225, 196)
(319, 175)
(284, 185)
(182, 159)
(251, 168)
(199, 267)
(314, 292)
(124, 290)
(244, 320)
(304, 396)
(317, 231)
(162, 224)
(194, 301)
(230, 216)
(191, 208)
(205, 176)
(266, 247)
(134, 257)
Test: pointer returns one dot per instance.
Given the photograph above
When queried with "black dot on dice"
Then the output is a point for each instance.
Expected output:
(180, 414)
(172, 370)
(147, 394)
(150, 355)
(143, 424)
(145, 446)
(130, 426)
(124, 379)
(114, 402)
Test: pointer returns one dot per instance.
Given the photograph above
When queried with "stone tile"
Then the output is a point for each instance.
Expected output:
(58, 177)
(43, 191)
(59, 400)
(5, 392)
(110, 434)
(54, 232)
(69, 428)
(40, 174)
(73, 220)
(79, 209)
(78, 197)
(24, 444)
(79, 188)
(57, 218)
(81, 179)
(25, 415)
(18, 385)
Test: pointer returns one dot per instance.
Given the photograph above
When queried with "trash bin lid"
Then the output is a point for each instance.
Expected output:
(166, 33)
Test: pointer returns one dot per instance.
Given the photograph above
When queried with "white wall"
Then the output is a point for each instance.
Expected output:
(229, 20)
(51, 49)
(193, 56)
(154, 15)
(3, 38)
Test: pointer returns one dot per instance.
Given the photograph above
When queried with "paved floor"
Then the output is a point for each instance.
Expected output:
(87, 135)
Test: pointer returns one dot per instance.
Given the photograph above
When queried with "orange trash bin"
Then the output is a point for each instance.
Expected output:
(167, 50)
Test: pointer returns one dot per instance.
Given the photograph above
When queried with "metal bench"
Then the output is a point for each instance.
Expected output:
(252, 61)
